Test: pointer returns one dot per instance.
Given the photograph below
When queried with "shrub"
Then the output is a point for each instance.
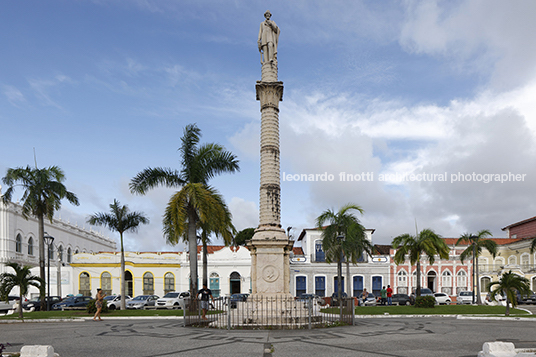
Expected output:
(91, 308)
(425, 301)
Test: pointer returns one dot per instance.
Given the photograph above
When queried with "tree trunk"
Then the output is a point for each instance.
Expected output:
(348, 282)
(192, 246)
(41, 219)
(478, 299)
(123, 287)
(507, 313)
(418, 288)
(19, 308)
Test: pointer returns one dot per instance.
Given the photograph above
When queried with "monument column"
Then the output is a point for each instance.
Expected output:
(270, 247)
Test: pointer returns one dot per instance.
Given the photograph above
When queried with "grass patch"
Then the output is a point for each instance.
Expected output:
(438, 310)
(71, 314)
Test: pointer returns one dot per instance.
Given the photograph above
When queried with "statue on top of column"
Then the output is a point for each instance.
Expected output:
(268, 38)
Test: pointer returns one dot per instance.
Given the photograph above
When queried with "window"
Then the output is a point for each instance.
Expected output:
(525, 262)
(148, 284)
(106, 283)
(320, 256)
(461, 281)
(358, 285)
(30, 246)
(377, 284)
(69, 255)
(336, 284)
(484, 285)
(301, 285)
(402, 278)
(18, 243)
(84, 284)
(60, 256)
(446, 282)
(498, 264)
(214, 282)
(320, 285)
(512, 260)
(169, 283)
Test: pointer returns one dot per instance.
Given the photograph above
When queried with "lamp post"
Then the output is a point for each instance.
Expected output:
(339, 277)
(48, 240)
(473, 238)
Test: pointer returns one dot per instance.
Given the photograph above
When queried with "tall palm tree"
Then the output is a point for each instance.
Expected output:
(533, 245)
(120, 220)
(509, 285)
(475, 245)
(22, 278)
(199, 163)
(43, 192)
(425, 243)
(343, 224)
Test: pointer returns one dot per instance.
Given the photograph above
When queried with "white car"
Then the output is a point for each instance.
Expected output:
(172, 300)
(114, 301)
(464, 297)
(442, 299)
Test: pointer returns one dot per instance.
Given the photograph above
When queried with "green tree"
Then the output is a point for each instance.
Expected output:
(509, 285)
(22, 278)
(199, 163)
(43, 192)
(533, 245)
(120, 220)
(476, 243)
(425, 243)
(244, 235)
(354, 243)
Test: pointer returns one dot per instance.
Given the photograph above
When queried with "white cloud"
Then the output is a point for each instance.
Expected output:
(14, 96)
(245, 213)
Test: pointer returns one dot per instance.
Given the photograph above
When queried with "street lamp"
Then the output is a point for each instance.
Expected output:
(48, 240)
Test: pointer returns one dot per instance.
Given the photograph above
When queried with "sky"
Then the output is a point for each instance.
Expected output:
(420, 112)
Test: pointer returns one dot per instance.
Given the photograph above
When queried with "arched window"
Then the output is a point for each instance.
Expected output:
(320, 256)
(18, 243)
(498, 264)
(60, 256)
(148, 284)
(446, 282)
(69, 255)
(169, 283)
(301, 285)
(402, 286)
(512, 260)
(106, 283)
(84, 284)
(30, 246)
(214, 284)
(484, 284)
(76, 251)
(525, 262)
(320, 285)
(461, 281)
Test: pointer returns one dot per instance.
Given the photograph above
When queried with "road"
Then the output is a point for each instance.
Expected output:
(370, 337)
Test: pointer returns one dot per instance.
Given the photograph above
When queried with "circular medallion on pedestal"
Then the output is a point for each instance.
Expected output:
(270, 273)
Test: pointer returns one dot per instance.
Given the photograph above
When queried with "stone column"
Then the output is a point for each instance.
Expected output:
(270, 247)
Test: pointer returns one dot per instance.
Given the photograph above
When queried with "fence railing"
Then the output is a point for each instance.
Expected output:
(269, 313)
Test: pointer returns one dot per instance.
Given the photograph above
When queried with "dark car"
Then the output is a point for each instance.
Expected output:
(526, 299)
(402, 299)
(72, 302)
(424, 292)
(35, 303)
(335, 298)
(235, 298)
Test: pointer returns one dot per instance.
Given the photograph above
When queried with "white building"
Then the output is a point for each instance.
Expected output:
(311, 274)
(19, 242)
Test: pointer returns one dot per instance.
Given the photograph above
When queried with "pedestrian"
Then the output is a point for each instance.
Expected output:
(364, 296)
(99, 300)
(383, 294)
(205, 294)
(389, 295)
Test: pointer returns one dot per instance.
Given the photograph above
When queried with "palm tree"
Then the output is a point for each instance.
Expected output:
(510, 285)
(119, 220)
(199, 164)
(355, 243)
(43, 192)
(22, 278)
(427, 243)
(475, 245)
(533, 245)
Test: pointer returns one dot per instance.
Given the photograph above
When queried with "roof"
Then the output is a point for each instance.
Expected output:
(499, 241)
(519, 223)
(297, 251)
(211, 249)
(382, 249)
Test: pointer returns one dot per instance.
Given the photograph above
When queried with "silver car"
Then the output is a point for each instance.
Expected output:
(114, 301)
(142, 301)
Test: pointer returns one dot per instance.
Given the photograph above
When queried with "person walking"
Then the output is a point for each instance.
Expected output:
(383, 295)
(99, 301)
(389, 295)
(205, 294)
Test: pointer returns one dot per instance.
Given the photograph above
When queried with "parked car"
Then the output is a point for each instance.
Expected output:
(311, 297)
(35, 303)
(402, 299)
(114, 301)
(141, 301)
(5, 306)
(526, 299)
(424, 292)
(464, 297)
(173, 300)
(73, 301)
(370, 301)
(442, 299)
(235, 298)
(335, 298)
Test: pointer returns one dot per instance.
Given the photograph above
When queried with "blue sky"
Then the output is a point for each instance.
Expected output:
(103, 89)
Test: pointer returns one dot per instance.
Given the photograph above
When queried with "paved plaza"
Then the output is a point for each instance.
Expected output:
(437, 336)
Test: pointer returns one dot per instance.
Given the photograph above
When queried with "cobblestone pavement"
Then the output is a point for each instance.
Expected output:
(370, 337)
